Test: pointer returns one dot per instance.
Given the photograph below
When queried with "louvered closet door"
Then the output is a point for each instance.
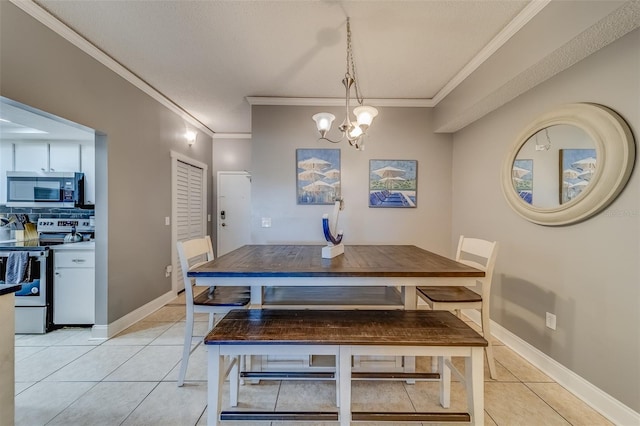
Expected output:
(190, 208)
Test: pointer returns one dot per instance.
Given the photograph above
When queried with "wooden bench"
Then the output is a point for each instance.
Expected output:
(345, 334)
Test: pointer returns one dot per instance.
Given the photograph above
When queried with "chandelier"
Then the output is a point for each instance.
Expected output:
(354, 131)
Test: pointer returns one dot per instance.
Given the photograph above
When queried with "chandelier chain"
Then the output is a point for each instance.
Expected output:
(352, 73)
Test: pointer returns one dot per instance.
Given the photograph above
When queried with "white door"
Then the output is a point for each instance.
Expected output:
(234, 211)
(189, 209)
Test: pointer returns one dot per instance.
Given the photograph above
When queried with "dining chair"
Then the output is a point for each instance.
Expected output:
(216, 300)
(479, 254)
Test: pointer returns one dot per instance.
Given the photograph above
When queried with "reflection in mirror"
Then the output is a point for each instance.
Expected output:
(554, 166)
(568, 164)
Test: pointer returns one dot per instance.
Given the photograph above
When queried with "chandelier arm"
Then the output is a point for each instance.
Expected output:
(324, 138)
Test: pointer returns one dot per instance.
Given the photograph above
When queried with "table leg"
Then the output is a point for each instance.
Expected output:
(410, 298)
(234, 381)
(410, 304)
(215, 380)
(256, 297)
(344, 374)
(445, 381)
(474, 377)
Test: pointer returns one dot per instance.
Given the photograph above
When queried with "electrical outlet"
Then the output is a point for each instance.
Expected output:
(551, 321)
(167, 220)
(168, 270)
(266, 222)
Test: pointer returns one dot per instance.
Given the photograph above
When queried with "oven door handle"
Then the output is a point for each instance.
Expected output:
(43, 253)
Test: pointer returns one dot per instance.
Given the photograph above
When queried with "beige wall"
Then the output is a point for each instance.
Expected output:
(588, 274)
(133, 245)
(397, 134)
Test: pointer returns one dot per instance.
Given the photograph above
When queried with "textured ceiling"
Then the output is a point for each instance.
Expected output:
(463, 57)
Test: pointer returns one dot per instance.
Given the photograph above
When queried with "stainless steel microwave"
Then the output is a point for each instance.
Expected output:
(45, 189)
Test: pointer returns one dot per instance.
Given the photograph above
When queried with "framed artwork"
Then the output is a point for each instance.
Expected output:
(577, 167)
(522, 175)
(393, 183)
(317, 176)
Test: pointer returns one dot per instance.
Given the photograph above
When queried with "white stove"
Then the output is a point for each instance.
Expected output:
(53, 230)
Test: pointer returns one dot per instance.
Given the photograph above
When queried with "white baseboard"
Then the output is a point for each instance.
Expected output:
(614, 410)
(103, 332)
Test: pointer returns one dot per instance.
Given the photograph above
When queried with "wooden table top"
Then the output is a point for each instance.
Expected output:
(348, 327)
(357, 261)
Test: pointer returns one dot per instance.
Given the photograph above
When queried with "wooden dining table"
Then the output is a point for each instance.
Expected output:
(402, 266)
(363, 277)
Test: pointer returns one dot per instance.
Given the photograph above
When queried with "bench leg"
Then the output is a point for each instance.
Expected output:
(344, 384)
(474, 377)
(215, 380)
(445, 380)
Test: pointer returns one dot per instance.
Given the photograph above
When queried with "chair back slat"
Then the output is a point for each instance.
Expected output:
(191, 254)
(479, 254)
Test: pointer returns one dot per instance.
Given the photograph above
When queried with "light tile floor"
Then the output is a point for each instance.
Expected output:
(64, 378)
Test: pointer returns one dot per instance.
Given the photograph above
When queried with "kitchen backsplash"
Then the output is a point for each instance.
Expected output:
(35, 213)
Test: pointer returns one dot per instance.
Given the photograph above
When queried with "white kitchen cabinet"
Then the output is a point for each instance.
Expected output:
(74, 289)
(64, 157)
(47, 157)
(31, 157)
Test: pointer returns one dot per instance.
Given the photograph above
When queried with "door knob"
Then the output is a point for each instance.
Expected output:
(223, 224)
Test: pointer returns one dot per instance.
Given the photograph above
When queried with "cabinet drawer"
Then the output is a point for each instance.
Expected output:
(74, 259)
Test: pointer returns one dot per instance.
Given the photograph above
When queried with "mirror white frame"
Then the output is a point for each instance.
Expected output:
(615, 151)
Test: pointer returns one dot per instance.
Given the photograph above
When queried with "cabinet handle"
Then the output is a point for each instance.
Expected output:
(79, 260)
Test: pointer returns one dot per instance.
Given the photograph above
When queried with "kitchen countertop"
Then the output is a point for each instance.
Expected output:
(9, 288)
(35, 245)
(82, 245)
(31, 245)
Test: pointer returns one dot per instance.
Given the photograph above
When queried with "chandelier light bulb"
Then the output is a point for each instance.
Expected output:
(365, 115)
(323, 121)
(355, 132)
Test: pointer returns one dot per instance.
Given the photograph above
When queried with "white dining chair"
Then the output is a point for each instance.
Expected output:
(479, 254)
(217, 300)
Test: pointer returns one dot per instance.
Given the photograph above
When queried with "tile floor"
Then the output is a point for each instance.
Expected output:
(63, 378)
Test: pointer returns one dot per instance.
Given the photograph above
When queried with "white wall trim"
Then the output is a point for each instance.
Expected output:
(599, 400)
(531, 10)
(103, 332)
(185, 159)
(232, 136)
(269, 100)
(83, 44)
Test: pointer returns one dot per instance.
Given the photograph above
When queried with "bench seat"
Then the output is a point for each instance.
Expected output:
(345, 334)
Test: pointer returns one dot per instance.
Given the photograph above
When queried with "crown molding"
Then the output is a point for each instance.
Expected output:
(271, 100)
(232, 136)
(57, 26)
(531, 10)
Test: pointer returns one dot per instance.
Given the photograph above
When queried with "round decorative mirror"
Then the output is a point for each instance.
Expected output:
(568, 164)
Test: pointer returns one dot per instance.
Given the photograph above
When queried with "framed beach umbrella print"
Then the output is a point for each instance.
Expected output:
(393, 183)
(317, 176)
